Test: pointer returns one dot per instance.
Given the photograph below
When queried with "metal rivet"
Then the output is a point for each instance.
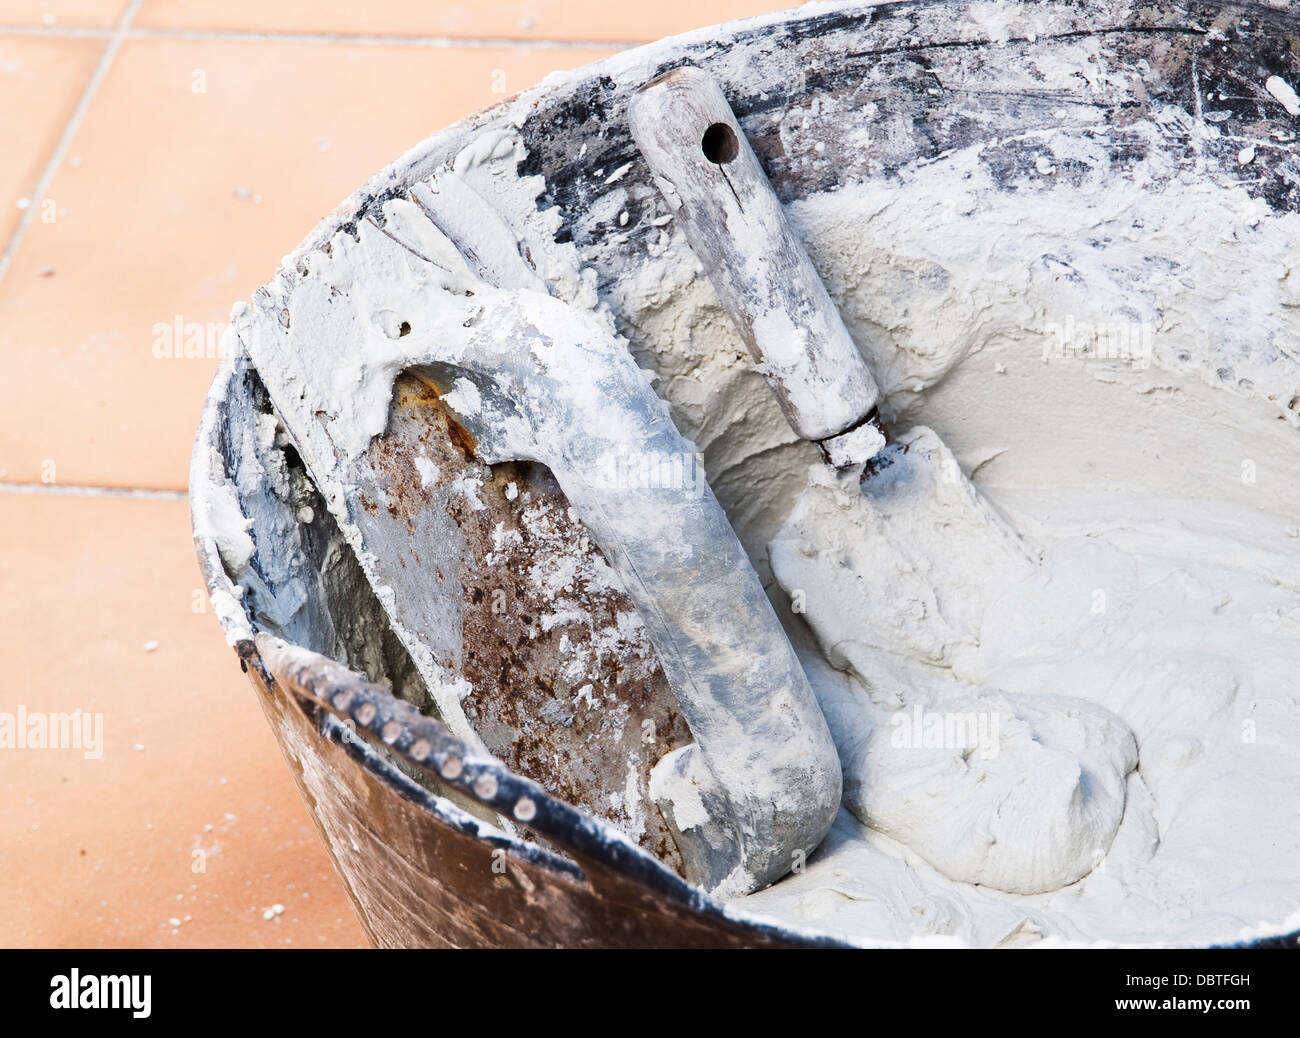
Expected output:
(366, 713)
(343, 700)
(451, 768)
(420, 749)
(391, 731)
(485, 786)
(525, 809)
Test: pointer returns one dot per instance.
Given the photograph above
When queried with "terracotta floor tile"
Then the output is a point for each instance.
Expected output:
(85, 14)
(101, 852)
(589, 20)
(174, 204)
(41, 81)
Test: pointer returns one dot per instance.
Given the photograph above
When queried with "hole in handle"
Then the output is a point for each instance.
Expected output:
(719, 144)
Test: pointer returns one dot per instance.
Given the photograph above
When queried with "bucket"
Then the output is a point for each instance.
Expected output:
(438, 845)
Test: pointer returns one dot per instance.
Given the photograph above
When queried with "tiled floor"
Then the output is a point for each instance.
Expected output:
(143, 180)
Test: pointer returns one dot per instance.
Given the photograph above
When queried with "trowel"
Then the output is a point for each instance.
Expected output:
(519, 376)
(715, 186)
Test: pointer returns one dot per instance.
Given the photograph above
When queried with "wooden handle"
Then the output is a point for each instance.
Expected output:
(736, 225)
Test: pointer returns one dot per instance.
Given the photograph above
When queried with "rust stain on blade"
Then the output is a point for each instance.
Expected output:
(567, 687)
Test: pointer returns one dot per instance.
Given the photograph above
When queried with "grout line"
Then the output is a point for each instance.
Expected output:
(376, 40)
(72, 490)
(57, 32)
(248, 35)
(65, 139)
